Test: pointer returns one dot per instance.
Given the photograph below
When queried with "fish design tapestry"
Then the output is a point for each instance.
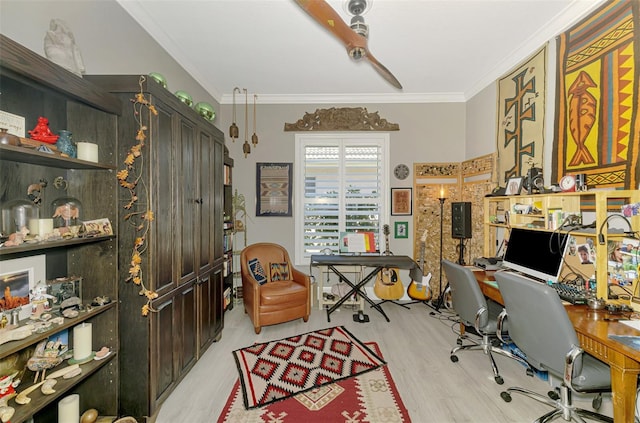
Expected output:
(597, 99)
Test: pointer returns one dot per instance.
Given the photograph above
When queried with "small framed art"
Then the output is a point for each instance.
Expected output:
(273, 189)
(514, 186)
(401, 202)
(401, 230)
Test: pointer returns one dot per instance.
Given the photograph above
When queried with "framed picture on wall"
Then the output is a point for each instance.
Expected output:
(401, 230)
(401, 202)
(273, 189)
(514, 186)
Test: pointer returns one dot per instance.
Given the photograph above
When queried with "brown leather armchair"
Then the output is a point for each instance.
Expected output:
(275, 301)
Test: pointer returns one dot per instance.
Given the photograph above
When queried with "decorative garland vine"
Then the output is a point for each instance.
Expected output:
(130, 178)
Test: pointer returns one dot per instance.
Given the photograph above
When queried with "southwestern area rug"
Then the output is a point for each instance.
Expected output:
(370, 397)
(276, 370)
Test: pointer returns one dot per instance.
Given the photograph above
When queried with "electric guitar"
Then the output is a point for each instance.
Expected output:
(388, 285)
(421, 291)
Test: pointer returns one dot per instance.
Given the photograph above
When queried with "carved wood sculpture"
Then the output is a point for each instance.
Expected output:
(342, 119)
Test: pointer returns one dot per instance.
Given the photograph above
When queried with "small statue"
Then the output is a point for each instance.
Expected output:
(8, 385)
(41, 132)
(60, 47)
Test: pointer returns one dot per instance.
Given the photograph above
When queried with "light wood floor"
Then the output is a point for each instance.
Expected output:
(416, 346)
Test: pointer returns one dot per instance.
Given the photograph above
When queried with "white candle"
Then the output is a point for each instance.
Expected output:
(81, 341)
(40, 226)
(69, 409)
(88, 151)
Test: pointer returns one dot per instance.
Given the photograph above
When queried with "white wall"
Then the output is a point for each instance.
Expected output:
(428, 133)
(110, 41)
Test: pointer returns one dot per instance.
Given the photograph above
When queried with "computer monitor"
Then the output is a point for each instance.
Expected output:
(536, 253)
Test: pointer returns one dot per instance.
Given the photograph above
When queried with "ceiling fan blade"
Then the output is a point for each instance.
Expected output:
(383, 71)
(326, 16)
(355, 43)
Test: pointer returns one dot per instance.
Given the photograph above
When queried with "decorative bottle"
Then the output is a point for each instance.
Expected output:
(66, 145)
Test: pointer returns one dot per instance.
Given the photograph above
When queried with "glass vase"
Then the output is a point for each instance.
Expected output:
(66, 212)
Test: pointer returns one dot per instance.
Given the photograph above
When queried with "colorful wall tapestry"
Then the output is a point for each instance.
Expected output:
(521, 105)
(596, 123)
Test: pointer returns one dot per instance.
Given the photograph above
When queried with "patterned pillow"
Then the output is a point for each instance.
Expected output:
(257, 271)
(279, 272)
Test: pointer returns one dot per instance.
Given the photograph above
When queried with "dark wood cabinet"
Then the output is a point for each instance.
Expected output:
(184, 174)
(32, 86)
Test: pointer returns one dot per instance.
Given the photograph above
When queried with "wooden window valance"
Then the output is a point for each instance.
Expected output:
(341, 119)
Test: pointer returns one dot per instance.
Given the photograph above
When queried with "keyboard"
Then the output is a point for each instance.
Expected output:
(573, 294)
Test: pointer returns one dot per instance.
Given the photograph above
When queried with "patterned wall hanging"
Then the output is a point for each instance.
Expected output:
(597, 102)
(520, 126)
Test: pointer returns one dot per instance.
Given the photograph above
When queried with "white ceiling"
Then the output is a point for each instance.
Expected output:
(440, 50)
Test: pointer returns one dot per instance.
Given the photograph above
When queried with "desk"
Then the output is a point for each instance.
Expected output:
(357, 287)
(593, 332)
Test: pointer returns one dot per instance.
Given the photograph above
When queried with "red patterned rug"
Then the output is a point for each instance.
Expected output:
(370, 397)
(275, 370)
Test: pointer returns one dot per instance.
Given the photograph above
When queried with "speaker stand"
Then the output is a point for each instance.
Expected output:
(461, 248)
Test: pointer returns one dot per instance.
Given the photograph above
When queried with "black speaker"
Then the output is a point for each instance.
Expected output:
(461, 220)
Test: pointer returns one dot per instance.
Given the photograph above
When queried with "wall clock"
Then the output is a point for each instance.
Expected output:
(568, 183)
(401, 171)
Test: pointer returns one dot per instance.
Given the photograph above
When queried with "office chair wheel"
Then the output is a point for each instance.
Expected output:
(459, 341)
(553, 395)
(505, 396)
(597, 402)
(499, 380)
(454, 358)
(529, 372)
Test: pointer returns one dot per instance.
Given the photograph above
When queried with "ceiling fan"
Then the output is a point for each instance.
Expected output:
(354, 37)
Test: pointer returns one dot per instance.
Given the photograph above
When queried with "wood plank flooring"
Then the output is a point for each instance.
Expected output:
(416, 346)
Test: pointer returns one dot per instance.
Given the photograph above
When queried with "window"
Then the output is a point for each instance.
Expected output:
(341, 186)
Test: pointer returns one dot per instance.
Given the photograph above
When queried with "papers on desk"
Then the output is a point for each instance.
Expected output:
(629, 341)
(631, 323)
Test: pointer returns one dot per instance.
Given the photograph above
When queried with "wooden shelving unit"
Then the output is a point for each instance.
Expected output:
(32, 86)
(543, 211)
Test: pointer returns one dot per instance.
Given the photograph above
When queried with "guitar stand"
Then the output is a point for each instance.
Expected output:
(396, 303)
(440, 301)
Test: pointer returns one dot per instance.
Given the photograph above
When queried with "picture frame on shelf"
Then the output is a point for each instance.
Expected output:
(21, 276)
(514, 186)
(401, 230)
(273, 189)
(401, 201)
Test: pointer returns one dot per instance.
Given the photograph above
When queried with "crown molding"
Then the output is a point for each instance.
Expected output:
(353, 98)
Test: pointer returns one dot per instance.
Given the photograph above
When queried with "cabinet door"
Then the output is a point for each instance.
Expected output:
(163, 182)
(218, 192)
(206, 214)
(163, 351)
(210, 305)
(187, 326)
(189, 200)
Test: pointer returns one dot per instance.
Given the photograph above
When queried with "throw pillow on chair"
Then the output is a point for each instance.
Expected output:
(257, 271)
(279, 272)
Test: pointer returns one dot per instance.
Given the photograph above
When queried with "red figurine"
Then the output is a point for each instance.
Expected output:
(42, 132)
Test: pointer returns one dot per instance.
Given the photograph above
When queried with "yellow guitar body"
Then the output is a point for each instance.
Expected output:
(420, 291)
(388, 285)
